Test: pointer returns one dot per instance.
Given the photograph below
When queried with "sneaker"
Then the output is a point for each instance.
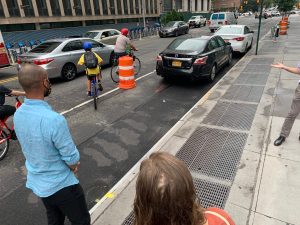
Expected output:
(100, 85)
(88, 93)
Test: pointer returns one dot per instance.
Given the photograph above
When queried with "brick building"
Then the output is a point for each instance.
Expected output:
(226, 4)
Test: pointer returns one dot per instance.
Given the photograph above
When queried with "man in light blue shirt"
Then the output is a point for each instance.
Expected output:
(52, 158)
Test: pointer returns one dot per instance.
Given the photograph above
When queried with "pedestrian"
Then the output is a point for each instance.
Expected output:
(295, 107)
(165, 194)
(52, 159)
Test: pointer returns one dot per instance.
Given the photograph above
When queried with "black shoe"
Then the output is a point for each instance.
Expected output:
(279, 141)
(100, 85)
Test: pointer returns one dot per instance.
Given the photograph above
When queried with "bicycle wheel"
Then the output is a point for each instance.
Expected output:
(4, 145)
(137, 65)
(114, 74)
(95, 91)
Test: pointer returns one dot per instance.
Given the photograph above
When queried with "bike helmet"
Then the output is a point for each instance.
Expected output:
(87, 45)
(124, 31)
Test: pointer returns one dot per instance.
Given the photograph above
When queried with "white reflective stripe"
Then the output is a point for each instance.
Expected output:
(126, 78)
(219, 216)
(126, 67)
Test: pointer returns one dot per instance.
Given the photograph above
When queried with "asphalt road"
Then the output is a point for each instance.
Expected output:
(112, 139)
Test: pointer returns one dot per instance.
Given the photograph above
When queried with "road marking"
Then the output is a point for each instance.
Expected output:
(8, 80)
(106, 93)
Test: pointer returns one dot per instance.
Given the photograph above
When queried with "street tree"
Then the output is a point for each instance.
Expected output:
(285, 5)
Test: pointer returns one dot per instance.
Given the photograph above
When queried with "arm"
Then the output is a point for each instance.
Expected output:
(18, 93)
(294, 70)
(63, 141)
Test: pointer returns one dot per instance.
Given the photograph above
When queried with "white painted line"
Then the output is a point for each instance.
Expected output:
(106, 93)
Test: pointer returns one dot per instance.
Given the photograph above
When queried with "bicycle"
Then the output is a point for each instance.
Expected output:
(9, 134)
(94, 91)
(114, 72)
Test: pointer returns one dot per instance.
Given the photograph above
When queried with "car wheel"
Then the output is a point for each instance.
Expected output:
(251, 44)
(212, 73)
(187, 31)
(211, 30)
(111, 58)
(229, 58)
(68, 72)
(246, 49)
(176, 34)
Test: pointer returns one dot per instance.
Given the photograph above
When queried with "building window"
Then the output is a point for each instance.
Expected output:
(67, 7)
(77, 6)
(147, 6)
(1, 10)
(13, 8)
(112, 6)
(88, 10)
(104, 7)
(96, 7)
(131, 7)
(125, 7)
(119, 7)
(155, 7)
(151, 7)
(202, 3)
(137, 6)
(42, 7)
(27, 8)
(208, 5)
(55, 7)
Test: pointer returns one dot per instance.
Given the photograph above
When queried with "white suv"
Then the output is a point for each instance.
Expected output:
(197, 21)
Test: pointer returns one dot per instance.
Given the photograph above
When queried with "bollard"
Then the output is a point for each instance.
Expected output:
(126, 73)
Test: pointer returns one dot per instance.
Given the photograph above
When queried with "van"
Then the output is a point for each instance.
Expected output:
(221, 18)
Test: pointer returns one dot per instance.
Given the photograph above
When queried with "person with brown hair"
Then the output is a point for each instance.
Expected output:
(165, 195)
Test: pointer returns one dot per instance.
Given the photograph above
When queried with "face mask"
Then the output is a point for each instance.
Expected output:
(48, 89)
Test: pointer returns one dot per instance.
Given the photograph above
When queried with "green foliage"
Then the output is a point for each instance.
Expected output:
(285, 5)
(172, 16)
(253, 6)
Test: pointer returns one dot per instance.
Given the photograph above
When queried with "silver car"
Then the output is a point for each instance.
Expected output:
(107, 36)
(59, 57)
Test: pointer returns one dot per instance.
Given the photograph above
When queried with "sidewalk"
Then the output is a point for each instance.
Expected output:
(226, 140)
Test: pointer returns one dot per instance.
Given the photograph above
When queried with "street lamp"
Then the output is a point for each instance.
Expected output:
(143, 10)
(259, 24)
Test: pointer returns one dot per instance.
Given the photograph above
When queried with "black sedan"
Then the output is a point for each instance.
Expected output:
(174, 28)
(196, 58)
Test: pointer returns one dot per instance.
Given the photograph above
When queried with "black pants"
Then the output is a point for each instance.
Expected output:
(6, 111)
(70, 202)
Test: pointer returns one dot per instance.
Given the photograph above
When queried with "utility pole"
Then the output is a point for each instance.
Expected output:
(143, 10)
(259, 23)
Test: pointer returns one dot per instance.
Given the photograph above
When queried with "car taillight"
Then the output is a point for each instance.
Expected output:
(42, 61)
(239, 38)
(226, 22)
(201, 61)
(18, 60)
(158, 58)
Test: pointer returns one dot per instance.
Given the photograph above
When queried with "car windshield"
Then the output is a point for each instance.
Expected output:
(46, 47)
(218, 16)
(90, 34)
(193, 17)
(170, 24)
(230, 30)
(188, 44)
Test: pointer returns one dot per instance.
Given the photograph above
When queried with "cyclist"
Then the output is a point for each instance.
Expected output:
(7, 110)
(121, 44)
(92, 62)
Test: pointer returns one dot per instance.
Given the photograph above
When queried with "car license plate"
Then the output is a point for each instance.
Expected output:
(176, 63)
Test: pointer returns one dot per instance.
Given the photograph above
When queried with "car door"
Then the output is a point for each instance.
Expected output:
(222, 50)
(216, 50)
(73, 51)
(102, 50)
(105, 37)
(248, 35)
(113, 37)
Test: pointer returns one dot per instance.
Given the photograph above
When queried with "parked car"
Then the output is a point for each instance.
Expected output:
(197, 21)
(220, 19)
(275, 13)
(59, 57)
(240, 37)
(195, 58)
(107, 36)
(174, 28)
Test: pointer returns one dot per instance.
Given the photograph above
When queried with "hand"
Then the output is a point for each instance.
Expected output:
(278, 65)
(75, 168)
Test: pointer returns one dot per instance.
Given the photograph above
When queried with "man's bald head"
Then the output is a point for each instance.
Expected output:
(31, 77)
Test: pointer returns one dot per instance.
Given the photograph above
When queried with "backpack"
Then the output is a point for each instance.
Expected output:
(90, 60)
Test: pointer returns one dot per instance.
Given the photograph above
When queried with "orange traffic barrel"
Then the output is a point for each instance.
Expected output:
(126, 73)
(283, 27)
(285, 18)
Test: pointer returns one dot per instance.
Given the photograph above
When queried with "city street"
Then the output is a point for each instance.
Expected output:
(113, 138)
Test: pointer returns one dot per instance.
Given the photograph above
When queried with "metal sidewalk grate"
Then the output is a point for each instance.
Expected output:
(232, 115)
(250, 68)
(213, 152)
(244, 93)
(252, 78)
(261, 61)
(210, 195)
